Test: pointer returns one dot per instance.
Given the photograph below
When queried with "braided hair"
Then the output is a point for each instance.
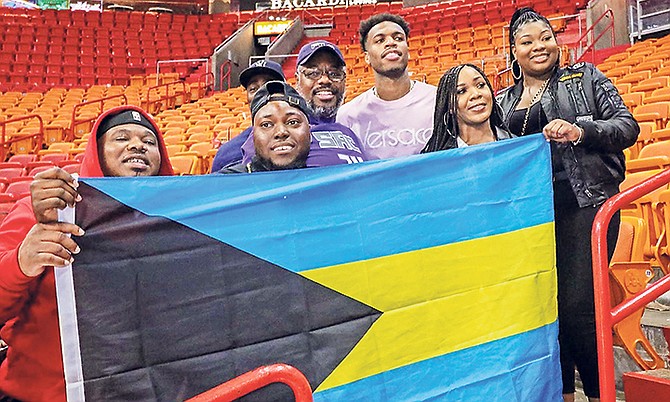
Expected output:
(445, 122)
(521, 17)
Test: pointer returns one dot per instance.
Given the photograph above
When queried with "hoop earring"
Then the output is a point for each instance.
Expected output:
(518, 76)
(560, 57)
(446, 126)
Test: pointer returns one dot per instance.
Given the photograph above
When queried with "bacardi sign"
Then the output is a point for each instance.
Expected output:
(293, 4)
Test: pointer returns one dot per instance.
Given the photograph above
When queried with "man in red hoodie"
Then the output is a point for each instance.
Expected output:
(125, 142)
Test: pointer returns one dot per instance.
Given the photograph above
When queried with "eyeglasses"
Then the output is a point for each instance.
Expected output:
(315, 74)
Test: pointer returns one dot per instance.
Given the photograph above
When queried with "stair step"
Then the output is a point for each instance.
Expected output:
(647, 386)
(655, 327)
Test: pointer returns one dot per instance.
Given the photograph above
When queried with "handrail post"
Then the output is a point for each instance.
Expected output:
(39, 136)
(225, 75)
(602, 300)
(590, 32)
(606, 316)
(70, 134)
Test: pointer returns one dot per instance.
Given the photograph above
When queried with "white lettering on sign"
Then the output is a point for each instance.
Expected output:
(292, 4)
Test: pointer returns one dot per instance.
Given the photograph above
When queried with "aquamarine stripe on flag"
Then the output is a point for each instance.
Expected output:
(516, 368)
(332, 208)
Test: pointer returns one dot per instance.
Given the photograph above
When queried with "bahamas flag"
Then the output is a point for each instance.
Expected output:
(426, 278)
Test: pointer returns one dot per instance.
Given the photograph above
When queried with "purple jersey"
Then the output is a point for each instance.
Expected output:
(332, 144)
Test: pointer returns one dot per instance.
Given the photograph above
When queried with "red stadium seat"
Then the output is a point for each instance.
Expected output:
(6, 203)
(19, 189)
(38, 169)
(10, 173)
(11, 164)
(72, 168)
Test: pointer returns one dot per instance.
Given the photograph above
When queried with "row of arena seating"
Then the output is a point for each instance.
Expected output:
(57, 107)
(69, 48)
(642, 76)
(17, 174)
(450, 16)
(47, 48)
(108, 18)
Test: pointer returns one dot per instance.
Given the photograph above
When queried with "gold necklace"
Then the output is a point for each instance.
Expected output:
(533, 101)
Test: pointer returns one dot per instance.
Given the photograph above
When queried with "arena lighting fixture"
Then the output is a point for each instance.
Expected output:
(160, 10)
(120, 7)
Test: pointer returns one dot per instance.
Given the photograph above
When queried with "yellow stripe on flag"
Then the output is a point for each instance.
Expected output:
(446, 298)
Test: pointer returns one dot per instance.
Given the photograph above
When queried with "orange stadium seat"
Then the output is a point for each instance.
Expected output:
(651, 84)
(648, 65)
(655, 112)
(660, 135)
(644, 138)
(633, 99)
(618, 72)
(643, 208)
(630, 245)
(634, 78)
(173, 149)
(184, 164)
(653, 156)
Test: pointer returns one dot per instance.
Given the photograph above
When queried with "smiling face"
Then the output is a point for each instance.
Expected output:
(129, 150)
(474, 98)
(323, 94)
(281, 136)
(387, 51)
(535, 48)
(255, 84)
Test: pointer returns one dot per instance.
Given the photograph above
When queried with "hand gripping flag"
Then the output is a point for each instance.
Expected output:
(430, 277)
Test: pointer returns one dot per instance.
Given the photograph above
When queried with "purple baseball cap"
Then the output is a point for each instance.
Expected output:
(269, 67)
(309, 49)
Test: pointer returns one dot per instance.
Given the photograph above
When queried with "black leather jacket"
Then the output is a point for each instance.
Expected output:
(581, 94)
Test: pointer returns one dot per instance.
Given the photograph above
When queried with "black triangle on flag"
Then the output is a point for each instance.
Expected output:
(165, 312)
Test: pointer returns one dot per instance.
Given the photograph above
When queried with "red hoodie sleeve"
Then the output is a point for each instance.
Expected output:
(14, 284)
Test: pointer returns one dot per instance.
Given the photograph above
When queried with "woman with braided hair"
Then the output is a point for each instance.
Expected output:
(580, 112)
(465, 112)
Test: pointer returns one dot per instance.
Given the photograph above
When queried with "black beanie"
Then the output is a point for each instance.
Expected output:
(125, 117)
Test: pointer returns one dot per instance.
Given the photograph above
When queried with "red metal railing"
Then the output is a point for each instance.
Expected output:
(606, 316)
(225, 74)
(594, 39)
(205, 85)
(6, 143)
(256, 379)
(154, 106)
(74, 122)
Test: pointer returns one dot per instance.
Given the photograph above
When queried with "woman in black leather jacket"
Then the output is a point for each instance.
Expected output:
(581, 113)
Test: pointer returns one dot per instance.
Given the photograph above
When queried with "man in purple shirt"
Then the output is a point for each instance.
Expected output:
(321, 80)
(252, 78)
